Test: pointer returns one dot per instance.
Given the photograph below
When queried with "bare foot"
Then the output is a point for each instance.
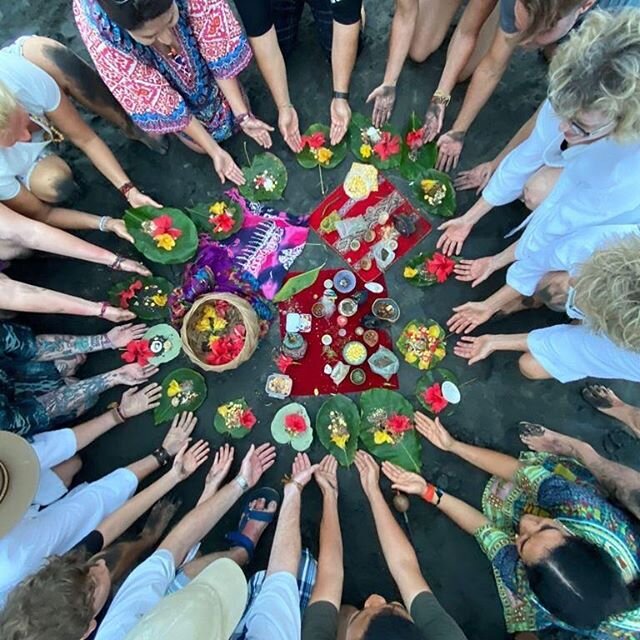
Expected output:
(602, 398)
(539, 438)
(159, 518)
(253, 529)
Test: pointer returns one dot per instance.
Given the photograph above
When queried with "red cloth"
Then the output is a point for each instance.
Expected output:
(308, 373)
(335, 200)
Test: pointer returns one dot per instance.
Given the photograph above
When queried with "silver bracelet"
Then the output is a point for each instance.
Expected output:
(243, 484)
(104, 221)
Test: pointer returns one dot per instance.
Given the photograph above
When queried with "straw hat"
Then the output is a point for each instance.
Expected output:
(208, 608)
(19, 478)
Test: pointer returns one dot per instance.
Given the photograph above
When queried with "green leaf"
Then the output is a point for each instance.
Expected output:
(430, 378)
(170, 339)
(299, 442)
(141, 304)
(298, 283)
(407, 451)
(192, 382)
(275, 169)
(200, 214)
(349, 411)
(221, 426)
(413, 164)
(360, 123)
(186, 244)
(307, 160)
(447, 208)
(403, 343)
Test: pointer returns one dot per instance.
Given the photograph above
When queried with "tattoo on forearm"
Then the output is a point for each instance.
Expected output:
(75, 399)
(622, 483)
(53, 347)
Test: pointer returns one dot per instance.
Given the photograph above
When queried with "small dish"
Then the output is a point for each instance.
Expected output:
(279, 386)
(354, 353)
(347, 307)
(358, 376)
(344, 281)
(386, 309)
(450, 392)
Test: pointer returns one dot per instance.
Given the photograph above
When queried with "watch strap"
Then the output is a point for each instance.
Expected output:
(341, 95)
(162, 456)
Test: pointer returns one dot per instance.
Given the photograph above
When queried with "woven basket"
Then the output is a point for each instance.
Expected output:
(251, 324)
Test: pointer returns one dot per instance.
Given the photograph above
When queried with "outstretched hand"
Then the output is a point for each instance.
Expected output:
(187, 461)
(434, 432)
(455, 233)
(302, 470)
(181, 428)
(474, 349)
(256, 462)
(290, 127)
(369, 472)
(476, 178)
(135, 401)
(402, 480)
(383, 98)
(468, 316)
(475, 271)
(121, 336)
(326, 475)
(340, 119)
(449, 149)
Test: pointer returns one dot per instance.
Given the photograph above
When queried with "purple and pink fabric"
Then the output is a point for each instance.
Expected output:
(162, 93)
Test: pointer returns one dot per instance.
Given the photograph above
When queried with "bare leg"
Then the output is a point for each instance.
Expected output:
(485, 38)
(52, 180)
(81, 81)
(606, 401)
(539, 186)
(434, 18)
(531, 368)
(68, 469)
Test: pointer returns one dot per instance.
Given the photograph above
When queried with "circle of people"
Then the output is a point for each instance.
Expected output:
(559, 525)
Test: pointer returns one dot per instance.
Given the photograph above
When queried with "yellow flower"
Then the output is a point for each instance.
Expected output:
(165, 241)
(411, 357)
(410, 272)
(323, 155)
(219, 323)
(382, 437)
(173, 389)
(440, 353)
(159, 299)
(366, 150)
(203, 325)
(428, 184)
(433, 331)
(223, 410)
(340, 440)
(217, 208)
(424, 364)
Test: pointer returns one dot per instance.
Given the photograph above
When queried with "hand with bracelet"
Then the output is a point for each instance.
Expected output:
(255, 128)
(434, 118)
(135, 197)
(301, 472)
(120, 263)
(255, 464)
(411, 483)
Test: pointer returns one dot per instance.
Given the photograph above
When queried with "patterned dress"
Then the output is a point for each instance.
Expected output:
(558, 488)
(162, 93)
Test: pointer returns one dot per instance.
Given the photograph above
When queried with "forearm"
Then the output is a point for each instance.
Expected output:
(104, 160)
(477, 211)
(63, 218)
(493, 462)
(119, 521)
(468, 518)
(287, 546)
(272, 66)
(506, 256)
(497, 301)
(330, 576)
(402, 29)
(144, 467)
(199, 521)
(232, 90)
(343, 54)
(396, 548)
(91, 430)
(201, 136)
(459, 53)
(510, 342)
(52, 347)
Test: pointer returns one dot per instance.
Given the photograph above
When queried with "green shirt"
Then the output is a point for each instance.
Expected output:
(321, 620)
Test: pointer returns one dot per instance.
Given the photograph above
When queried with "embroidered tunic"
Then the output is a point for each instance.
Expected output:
(162, 93)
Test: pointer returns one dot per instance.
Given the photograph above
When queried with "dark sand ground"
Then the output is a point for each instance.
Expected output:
(494, 401)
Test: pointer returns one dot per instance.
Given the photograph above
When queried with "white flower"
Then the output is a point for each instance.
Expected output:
(373, 134)
(269, 184)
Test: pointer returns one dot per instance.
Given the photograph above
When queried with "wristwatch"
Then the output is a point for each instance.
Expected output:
(341, 95)
(162, 456)
(244, 485)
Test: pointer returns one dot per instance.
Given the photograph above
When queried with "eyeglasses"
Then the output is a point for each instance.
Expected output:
(581, 131)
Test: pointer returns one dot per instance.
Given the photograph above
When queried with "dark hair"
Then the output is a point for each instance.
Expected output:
(580, 584)
(388, 625)
(544, 15)
(132, 14)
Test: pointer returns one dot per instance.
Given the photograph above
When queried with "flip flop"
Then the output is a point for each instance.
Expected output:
(237, 538)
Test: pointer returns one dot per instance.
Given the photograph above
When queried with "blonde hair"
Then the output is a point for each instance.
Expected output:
(8, 104)
(608, 292)
(598, 69)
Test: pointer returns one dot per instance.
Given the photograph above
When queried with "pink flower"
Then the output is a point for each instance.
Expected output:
(294, 423)
(440, 266)
(138, 351)
(398, 424)
(247, 419)
(163, 224)
(388, 146)
(414, 139)
(283, 362)
(314, 141)
(433, 398)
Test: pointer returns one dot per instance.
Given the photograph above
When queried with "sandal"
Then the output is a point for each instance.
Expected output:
(237, 538)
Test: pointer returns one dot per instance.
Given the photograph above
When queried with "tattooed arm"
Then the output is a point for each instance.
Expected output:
(52, 347)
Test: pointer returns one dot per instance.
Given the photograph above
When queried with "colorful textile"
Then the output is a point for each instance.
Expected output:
(308, 374)
(162, 93)
(557, 488)
(21, 379)
(373, 214)
(268, 242)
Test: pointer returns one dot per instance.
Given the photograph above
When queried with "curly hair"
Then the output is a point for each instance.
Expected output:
(608, 292)
(598, 69)
(56, 603)
(8, 104)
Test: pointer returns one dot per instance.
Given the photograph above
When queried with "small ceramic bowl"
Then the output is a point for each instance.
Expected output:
(347, 307)
(358, 376)
(344, 281)
(354, 353)
(386, 309)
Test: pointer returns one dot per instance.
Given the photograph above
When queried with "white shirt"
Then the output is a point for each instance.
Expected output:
(572, 352)
(565, 254)
(38, 93)
(60, 527)
(598, 184)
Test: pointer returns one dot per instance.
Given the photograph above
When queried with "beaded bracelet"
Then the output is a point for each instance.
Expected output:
(126, 187)
(440, 97)
(117, 263)
(243, 117)
(104, 221)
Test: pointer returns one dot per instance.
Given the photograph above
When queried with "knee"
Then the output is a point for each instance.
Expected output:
(533, 193)
(530, 368)
(57, 185)
(419, 53)
(75, 465)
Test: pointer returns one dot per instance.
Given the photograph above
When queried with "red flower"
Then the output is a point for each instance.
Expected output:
(398, 424)
(314, 141)
(388, 146)
(433, 398)
(130, 292)
(163, 224)
(440, 266)
(283, 363)
(222, 223)
(247, 419)
(295, 423)
(414, 139)
(226, 348)
(138, 351)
